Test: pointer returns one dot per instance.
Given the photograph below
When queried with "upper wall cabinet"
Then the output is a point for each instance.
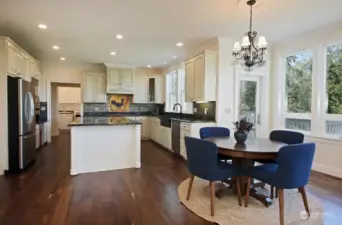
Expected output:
(19, 63)
(120, 80)
(200, 77)
(94, 88)
(149, 89)
(69, 95)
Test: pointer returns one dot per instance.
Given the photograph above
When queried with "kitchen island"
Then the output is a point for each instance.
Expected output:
(104, 143)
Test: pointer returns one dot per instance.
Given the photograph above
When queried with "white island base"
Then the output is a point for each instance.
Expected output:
(102, 148)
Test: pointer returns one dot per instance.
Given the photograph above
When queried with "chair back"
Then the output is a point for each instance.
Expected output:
(295, 162)
(287, 137)
(202, 157)
(207, 132)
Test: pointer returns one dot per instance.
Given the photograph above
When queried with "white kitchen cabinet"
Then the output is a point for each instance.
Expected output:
(140, 89)
(63, 120)
(200, 77)
(145, 127)
(94, 88)
(12, 61)
(189, 81)
(120, 80)
(37, 136)
(190, 130)
(101, 88)
(155, 89)
(69, 95)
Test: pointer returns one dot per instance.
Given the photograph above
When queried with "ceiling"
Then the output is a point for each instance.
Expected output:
(85, 30)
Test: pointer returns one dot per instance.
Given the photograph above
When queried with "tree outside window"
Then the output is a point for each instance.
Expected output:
(334, 79)
(299, 82)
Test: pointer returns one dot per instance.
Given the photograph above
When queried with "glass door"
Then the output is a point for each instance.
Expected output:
(249, 101)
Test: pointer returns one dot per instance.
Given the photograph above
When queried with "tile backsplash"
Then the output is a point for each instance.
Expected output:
(134, 107)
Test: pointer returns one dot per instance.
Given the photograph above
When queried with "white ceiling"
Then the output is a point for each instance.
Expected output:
(85, 30)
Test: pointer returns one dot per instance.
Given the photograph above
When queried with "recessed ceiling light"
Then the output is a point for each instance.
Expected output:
(149, 66)
(179, 44)
(113, 53)
(174, 57)
(164, 62)
(62, 58)
(55, 47)
(42, 26)
(119, 36)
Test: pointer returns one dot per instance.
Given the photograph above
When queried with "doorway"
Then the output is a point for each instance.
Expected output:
(248, 99)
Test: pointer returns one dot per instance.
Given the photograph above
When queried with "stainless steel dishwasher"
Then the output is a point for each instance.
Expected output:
(175, 126)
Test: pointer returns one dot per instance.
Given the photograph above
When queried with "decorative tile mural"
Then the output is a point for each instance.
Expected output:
(119, 103)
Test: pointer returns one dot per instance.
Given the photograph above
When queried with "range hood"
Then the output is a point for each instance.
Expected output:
(120, 79)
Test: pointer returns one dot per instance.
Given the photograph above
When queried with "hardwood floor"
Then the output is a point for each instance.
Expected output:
(47, 195)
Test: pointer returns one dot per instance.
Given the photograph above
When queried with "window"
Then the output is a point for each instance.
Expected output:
(333, 122)
(298, 91)
(171, 90)
(175, 91)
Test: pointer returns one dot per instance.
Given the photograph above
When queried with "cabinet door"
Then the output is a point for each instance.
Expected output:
(113, 77)
(189, 81)
(199, 87)
(27, 72)
(159, 90)
(126, 77)
(151, 83)
(101, 89)
(12, 61)
(90, 88)
(21, 65)
(140, 90)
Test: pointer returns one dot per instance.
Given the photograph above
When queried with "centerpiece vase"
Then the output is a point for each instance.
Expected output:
(240, 137)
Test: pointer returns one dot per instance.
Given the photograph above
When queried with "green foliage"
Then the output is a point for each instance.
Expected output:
(299, 82)
(247, 96)
(334, 79)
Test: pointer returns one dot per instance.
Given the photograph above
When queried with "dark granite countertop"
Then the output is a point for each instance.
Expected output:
(188, 118)
(194, 120)
(102, 121)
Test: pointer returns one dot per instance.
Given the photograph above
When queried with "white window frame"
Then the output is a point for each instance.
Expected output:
(168, 106)
(286, 114)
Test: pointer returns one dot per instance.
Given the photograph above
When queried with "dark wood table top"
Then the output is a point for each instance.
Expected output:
(257, 148)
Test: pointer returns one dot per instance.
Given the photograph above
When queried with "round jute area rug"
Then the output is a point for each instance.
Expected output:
(228, 211)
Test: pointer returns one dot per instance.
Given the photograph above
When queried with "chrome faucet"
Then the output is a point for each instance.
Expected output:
(174, 107)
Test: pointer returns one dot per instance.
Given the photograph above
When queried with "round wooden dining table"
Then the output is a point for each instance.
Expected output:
(245, 155)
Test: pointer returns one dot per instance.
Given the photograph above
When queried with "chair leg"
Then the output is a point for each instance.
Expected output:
(248, 188)
(238, 189)
(190, 187)
(212, 197)
(272, 192)
(281, 206)
(276, 192)
(305, 200)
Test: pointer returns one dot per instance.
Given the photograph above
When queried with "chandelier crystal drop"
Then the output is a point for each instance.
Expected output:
(249, 53)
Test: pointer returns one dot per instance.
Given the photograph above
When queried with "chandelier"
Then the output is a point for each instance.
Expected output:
(249, 54)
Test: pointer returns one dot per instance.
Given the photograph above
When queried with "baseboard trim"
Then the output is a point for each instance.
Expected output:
(337, 173)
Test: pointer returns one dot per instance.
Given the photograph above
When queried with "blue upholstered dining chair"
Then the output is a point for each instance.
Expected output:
(203, 163)
(208, 132)
(292, 170)
(287, 137)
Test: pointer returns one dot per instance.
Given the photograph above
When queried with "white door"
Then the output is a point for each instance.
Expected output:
(90, 89)
(12, 61)
(199, 78)
(189, 81)
(248, 101)
(101, 89)
(140, 90)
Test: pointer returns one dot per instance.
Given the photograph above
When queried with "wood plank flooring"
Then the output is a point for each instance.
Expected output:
(47, 195)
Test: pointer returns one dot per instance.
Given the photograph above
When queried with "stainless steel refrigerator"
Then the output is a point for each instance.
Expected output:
(21, 124)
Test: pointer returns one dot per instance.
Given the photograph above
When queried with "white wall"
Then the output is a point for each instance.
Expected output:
(328, 158)
(62, 72)
(3, 110)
